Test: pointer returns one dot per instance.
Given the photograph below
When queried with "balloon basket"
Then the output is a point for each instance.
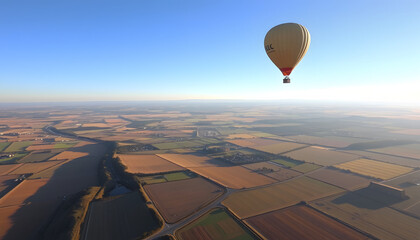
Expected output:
(286, 79)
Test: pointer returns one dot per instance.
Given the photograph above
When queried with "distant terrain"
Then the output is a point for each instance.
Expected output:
(209, 170)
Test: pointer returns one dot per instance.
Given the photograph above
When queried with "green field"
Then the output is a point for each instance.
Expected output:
(14, 158)
(306, 167)
(176, 176)
(18, 146)
(216, 224)
(38, 157)
(3, 145)
(65, 145)
(287, 163)
(161, 178)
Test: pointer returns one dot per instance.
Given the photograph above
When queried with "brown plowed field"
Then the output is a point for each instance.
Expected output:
(241, 142)
(68, 155)
(235, 177)
(5, 169)
(147, 164)
(261, 200)
(321, 156)
(187, 160)
(301, 222)
(23, 191)
(40, 147)
(341, 179)
(178, 199)
(283, 174)
(34, 167)
(374, 168)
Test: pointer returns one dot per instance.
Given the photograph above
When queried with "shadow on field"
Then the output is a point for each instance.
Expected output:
(367, 198)
(69, 178)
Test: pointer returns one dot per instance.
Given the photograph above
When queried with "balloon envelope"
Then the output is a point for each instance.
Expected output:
(286, 44)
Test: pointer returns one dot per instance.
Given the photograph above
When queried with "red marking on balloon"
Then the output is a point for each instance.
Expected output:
(286, 71)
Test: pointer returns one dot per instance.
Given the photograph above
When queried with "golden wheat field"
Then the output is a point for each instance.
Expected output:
(374, 168)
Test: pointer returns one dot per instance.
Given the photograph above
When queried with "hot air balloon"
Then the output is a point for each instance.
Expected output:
(285, 45)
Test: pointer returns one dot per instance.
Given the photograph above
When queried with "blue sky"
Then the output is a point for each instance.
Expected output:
(78, 50)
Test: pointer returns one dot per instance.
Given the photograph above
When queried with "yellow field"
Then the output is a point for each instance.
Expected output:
(256, 201)
(321, 156)
(235, 177)
(68, 155)
(374, 168)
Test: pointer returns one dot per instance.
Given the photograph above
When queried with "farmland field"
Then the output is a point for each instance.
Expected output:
(330, 141)
(370, 216)
(301, 222)
(216, 224)
(235, 177)
(187, 160)
(161, 178)
(120, 217)
(38, 157)
(257, 201)
(7, 182)
(262, 165)
(40, 147)
(68, 155)
(375, 169)
(185, 144)
(147, 164)
(4, 145)
(13, 159)
(306, 167)
(34, 167)
(408, 162)
(23, 191)
(18, 146)
(278, 148)
(321, 156)
(409, 150)
(65, 145)
(5, 169)
(178, 199)
(283, 174)
(339, 178)
(287, 162)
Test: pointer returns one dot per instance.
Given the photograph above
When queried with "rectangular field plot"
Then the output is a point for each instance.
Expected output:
(235, 177)
(306, 167)
(375, 169)
(187, 160)
(178, 199)
(185, 144)
(5, 169)
(289, 163)
(14, 158)
(262, 167)
(40, 147)
(18, 146)
(68, 155)
(147, 164)
(408, 162)
(7, 182)
(257, 201)
(216, 224)
(370, 217)
(20, 193)
(339, 178)
(4, 145)
(301, 222)
(34, 167)
(278, 148)
(321, 156)
(38, 156)
(409, 150)
(330, 141)
(120, 217)
(283, 174)
(161, 178)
